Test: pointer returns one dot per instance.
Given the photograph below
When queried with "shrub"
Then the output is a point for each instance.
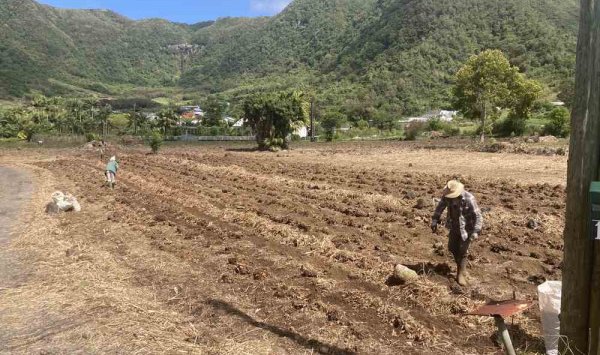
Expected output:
(510, 127)
(414, 129)
(435, 124)
(558, 124)
(362, 124)
(91, 137)
(451, 130)
(156, 141)
(330, 122)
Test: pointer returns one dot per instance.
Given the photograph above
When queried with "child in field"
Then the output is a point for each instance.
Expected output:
(111, 171)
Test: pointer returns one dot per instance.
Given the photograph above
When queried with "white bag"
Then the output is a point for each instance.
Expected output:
(549, 295)
(66, 202)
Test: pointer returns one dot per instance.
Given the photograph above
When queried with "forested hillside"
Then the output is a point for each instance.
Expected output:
(53, 49)
(370, 56)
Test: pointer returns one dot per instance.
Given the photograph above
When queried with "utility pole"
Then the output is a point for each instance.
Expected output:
(581, 265)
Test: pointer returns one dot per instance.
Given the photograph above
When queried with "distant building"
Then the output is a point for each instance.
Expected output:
(443, 115)
(557, 103)
(239, 123)
(188, 115)
(196, 111)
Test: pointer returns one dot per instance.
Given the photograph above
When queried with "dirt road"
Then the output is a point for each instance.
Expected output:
(14, 190)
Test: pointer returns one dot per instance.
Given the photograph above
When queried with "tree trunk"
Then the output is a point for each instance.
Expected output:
(583, 169)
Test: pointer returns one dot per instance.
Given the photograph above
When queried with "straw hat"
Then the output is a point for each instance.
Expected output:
(113, 158)
(453, 189)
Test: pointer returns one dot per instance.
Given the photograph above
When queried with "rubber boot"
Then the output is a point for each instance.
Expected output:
(461, 274)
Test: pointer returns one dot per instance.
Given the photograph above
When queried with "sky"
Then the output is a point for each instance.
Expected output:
(186, 11)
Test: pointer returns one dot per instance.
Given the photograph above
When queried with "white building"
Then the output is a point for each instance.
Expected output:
(443, 115)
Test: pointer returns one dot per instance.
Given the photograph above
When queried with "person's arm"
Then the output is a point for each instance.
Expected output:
(477, 214)
(437, 215)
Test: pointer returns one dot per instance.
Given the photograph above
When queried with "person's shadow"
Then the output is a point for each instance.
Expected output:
(311, 344)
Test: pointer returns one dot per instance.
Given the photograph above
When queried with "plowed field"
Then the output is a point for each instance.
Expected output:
(247, 252)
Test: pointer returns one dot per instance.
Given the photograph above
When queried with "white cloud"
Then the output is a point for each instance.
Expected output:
(268, 6)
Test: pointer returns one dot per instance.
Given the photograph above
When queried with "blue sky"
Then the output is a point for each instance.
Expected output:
(187, 11)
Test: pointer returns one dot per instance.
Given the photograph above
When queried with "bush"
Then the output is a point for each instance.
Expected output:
(414, 129)
(362, 124)
(91, 137)
(558, 124)
(330, 122)
(451, 130)
(435, 124)
(156, 141)
(509, 127)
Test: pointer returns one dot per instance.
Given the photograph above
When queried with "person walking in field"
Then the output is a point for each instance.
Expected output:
(464, 221)
(111, 171)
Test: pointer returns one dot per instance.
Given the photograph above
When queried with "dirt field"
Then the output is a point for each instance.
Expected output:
(220, 250)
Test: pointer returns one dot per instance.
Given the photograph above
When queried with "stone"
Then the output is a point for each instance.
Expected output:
(533, 224)
(404, 274)
(307, 272)
(421, 204)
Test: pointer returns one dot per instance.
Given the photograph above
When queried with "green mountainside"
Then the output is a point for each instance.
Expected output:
(363, 55)
(89, 49)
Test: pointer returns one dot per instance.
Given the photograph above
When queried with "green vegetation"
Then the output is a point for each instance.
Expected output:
(559, 122)
(155, 141)
(274, 117)
(414, 130)
(330, 122)
(488, 83)
(372, 60)
(214, 111)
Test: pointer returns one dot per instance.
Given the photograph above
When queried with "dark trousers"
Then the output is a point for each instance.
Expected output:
(458, 247)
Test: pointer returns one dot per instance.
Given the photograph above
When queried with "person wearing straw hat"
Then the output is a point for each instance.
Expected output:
(111, 172)
(464, 222)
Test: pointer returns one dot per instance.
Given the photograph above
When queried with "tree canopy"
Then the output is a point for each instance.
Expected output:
(274, 117)
(488, 83)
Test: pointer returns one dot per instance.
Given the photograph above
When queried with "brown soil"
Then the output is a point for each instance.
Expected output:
(214, 250)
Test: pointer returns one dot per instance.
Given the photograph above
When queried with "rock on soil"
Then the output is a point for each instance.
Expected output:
(533, 224)
(403, 274)
(307, 272)
(422, 204)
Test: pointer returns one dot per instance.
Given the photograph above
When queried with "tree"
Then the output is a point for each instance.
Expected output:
(488, 82)
(136, 120)
(155, 141)
(273, 117)
(580, 308)
(167, 118)
(20, 122)
(330, 122)
(566, 93)
(214, 110)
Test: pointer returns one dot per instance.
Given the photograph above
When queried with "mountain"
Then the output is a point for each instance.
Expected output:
(365, 56)
(53, 49)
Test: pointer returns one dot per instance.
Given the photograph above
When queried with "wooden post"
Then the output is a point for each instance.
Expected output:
(584, 158)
